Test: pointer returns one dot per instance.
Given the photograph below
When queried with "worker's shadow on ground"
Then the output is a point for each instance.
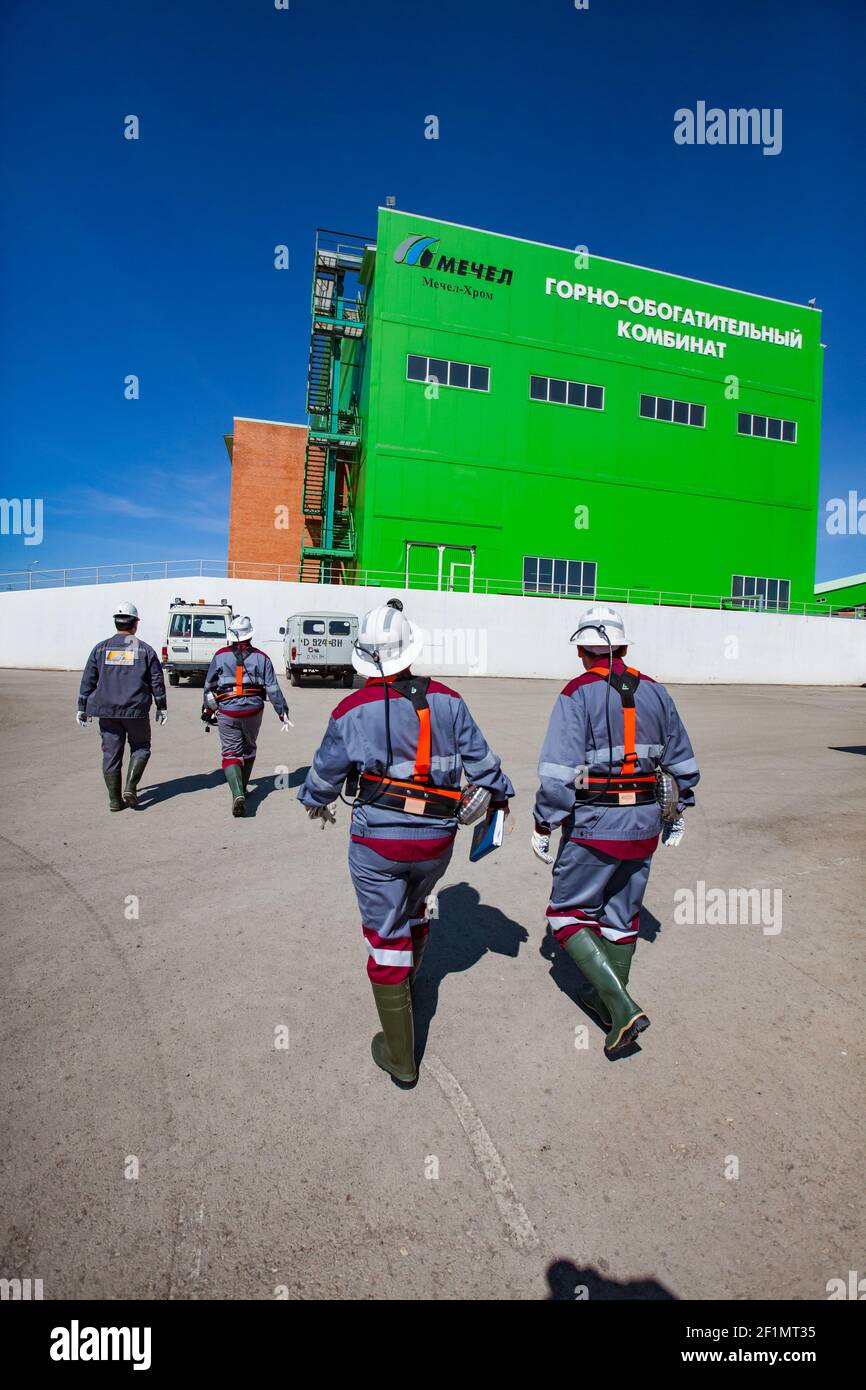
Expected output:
(465, 930)
(569, 1283)
(260, 787)
(567, 977)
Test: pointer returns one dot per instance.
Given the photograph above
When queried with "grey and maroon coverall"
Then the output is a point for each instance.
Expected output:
(396, 858)
(239, 716)
(603, 864)
(120, 681)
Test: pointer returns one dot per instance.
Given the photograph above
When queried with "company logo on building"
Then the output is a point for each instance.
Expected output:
(415, 250)
(419, 250)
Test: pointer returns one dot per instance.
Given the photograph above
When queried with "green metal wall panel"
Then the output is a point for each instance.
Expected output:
(670, 506)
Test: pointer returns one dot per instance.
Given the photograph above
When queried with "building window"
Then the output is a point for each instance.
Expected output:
(559, 392)
(767, 427)
(461, 374)
(564, 578)
(764, 595)
(676, 412)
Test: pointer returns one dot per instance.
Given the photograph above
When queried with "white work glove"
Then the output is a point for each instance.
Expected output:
(323, 813)
(541, 847)
(285, 723)
(81, 718)
(674, 831)
(161, 716)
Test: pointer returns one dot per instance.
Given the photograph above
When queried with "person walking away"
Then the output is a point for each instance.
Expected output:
(239, 680)
(615, 761)
(120, 682)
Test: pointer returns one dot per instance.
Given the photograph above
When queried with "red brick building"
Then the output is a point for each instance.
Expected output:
(266, 520)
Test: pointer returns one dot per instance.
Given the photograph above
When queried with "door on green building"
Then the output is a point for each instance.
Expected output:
(436, 565)
(460, 577)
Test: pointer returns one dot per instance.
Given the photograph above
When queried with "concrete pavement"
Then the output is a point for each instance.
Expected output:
(156, 961)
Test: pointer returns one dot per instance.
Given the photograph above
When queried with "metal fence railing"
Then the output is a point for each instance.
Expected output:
(136, 571)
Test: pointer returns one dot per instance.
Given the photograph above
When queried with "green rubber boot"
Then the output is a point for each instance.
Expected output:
(115, 800)
(419, 946)
(394, 1048)
(137, 763)
(236, 787)
(627, 1018)
(592, 1000)
(246, 773)
(620, 957)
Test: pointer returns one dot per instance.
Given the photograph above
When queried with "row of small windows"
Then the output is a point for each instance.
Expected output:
(765, 427)
(579, 393)
(472, 377)
(678, 412)
(463, 374)
(761, 593)
(575, 578)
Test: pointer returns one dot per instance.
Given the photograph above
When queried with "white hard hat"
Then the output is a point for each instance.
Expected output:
(241, 629)
(126, 610)
(387, 642)
(598, 626)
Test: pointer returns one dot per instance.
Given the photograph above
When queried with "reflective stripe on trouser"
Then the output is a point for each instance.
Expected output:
(238, 737)
(591, 888)
(115, 733)
(392, 898)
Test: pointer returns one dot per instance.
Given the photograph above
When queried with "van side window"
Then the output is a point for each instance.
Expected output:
(181, 625)
(339, 628)
(313, 628)
(205, 625)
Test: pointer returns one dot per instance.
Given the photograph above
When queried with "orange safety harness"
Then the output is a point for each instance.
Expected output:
(416, 795)
(239, 690)
(628, 787)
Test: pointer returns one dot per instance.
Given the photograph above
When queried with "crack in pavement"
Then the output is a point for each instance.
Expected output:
(520, 1229)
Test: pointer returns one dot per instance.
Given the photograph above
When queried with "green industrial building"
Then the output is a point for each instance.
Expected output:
(501, 415)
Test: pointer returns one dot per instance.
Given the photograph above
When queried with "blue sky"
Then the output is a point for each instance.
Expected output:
(257, 125)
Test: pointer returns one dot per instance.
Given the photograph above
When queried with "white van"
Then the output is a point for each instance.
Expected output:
(195, 631)
(320, 644)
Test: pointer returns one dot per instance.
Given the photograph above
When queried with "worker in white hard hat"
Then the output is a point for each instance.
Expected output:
(400, 744)
(617, 771)
(239, 680)
(121, 679)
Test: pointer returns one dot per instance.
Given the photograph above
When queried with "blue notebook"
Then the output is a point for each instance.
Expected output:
(487, 836)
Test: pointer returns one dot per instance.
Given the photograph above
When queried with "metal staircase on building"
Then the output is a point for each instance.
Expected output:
(333, 433)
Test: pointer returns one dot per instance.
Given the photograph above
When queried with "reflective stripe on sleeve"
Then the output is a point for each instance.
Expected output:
(477, 769)
(683, 769)
(558, 771)
(320, 784)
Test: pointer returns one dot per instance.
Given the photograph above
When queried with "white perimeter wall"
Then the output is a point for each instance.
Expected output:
(54, 629)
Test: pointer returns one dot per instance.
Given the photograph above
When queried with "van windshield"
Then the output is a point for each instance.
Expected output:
(339, 628)
(209, 625)
(313, 628)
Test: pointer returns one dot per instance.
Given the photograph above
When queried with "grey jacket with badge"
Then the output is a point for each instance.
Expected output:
(122, 679)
